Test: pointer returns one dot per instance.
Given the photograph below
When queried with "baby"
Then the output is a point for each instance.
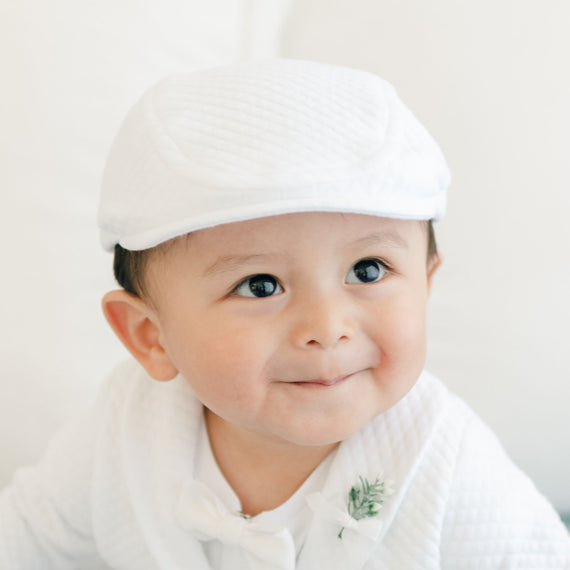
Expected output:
(272, 230)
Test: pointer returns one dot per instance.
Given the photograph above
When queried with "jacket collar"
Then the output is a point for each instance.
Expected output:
(390, 446)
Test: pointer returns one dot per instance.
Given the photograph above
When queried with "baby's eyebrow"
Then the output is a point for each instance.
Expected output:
(232, 262)
(385, 237)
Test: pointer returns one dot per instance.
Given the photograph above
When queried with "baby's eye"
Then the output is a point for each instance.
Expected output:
(366, 271)
(258, 286)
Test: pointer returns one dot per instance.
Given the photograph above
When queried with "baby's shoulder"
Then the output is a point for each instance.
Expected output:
(129, 394)
(493, 504)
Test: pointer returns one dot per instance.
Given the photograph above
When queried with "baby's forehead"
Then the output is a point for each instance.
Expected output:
(307, 229)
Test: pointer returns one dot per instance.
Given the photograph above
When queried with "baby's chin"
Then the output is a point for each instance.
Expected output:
(330, 434)
(337, 428)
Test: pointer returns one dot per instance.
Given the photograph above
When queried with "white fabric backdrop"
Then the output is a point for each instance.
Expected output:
(488, 79)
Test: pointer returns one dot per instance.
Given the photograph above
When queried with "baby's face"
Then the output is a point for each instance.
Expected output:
(299, 327)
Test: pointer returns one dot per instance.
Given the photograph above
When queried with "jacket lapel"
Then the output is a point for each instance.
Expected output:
(390, 447)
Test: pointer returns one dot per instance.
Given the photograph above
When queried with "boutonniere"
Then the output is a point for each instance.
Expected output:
(365, 499)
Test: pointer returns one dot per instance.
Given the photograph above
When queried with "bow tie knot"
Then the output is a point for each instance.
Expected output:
(202, 512)
(230, 528)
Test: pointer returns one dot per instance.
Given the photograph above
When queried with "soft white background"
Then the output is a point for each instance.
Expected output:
(490, 81)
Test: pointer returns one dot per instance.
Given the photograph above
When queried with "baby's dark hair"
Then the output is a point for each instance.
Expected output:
(432, 244)
(130, 266)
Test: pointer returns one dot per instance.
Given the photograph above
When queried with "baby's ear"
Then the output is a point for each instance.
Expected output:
(136, 325)
(433, 265)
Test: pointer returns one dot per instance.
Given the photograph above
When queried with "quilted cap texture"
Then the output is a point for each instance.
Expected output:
(264, 138)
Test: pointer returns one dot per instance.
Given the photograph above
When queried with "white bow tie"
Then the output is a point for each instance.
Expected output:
(265, 548)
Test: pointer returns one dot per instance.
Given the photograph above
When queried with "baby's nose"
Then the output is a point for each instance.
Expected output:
(322, 323)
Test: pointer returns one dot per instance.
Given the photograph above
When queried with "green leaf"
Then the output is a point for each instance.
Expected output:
(365, 499)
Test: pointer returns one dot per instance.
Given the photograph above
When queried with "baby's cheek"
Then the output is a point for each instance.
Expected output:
(233, 362)
(401, 336)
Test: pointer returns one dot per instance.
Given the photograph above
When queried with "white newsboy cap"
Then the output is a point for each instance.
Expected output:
(264, 138)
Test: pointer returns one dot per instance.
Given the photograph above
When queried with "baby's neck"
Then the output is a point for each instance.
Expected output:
(262, 472)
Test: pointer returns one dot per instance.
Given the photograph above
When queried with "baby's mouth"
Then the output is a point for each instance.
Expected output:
(322, 382)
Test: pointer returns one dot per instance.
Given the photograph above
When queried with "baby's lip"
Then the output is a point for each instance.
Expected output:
(324, 382)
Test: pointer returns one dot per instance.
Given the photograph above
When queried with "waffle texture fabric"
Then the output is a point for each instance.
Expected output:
(108, 494)
(264, 138)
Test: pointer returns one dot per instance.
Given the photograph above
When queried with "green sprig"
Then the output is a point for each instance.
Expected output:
(365, 499)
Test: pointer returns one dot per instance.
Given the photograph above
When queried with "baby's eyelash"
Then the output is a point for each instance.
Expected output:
(383, 263)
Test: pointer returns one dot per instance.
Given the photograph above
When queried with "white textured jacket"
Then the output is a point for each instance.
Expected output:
(114, 490)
